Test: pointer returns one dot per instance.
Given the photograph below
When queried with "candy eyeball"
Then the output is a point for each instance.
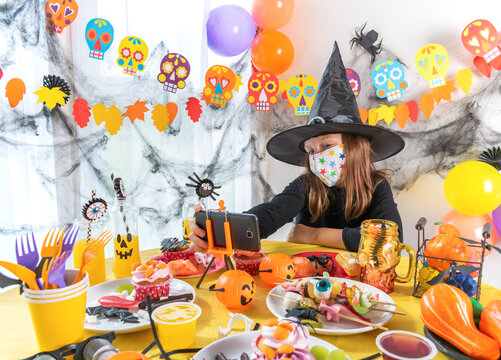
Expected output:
(322, 288)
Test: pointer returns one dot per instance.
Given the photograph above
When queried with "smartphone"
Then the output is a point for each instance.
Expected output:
(244, 229)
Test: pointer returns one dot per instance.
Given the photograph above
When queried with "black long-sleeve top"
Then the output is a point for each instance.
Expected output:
(292, 203)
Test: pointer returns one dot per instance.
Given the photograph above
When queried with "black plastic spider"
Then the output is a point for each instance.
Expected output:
(204, 187)
(302, 313)
(322, 261)
(367, 41)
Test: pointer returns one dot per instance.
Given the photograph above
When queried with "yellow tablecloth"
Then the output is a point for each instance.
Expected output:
(17, 338)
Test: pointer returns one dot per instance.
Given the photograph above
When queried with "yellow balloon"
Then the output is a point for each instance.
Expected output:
(473, 188)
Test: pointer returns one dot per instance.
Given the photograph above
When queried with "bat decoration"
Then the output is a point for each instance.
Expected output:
(483, 243)
(367, 41)
(452, 271)
(94, 209)
(492, 157)
(203, 187)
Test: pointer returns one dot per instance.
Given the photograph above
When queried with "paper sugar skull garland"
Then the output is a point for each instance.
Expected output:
(93, 210)
(220, 81)
(301, 91)
(54, 92)
(132, 53)
(354, 79)
(60, 14)
(174, 70)
(481, 39)
(263, 89)
(432, 63)
(99, 36)
(388, 78)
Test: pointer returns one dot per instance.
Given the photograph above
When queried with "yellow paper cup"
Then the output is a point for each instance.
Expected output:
(58, 319)
(70, 275)
(96, 269)
(176, 324)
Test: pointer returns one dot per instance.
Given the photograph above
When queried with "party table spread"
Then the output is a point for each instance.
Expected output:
(17, 337)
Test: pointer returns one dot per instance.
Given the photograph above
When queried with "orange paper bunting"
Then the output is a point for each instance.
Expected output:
(363, 114)
(160, 117)
(194, 109)
(402, 114)
(172, 110)
(443, 92)
(99, 112)
(14, 91)
(413, 110)
(385, 113)
(427, 105)
(113, 119)
(81, 112)
(136, 111)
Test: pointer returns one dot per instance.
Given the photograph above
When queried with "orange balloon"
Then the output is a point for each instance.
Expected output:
(272, 14)
(470, 227)
(272, 51)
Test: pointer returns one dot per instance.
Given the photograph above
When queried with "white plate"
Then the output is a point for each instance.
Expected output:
(233, 346)
(344, 327)
(107, 288)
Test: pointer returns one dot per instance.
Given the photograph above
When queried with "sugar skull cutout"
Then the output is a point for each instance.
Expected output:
(60, 14)
(301, 91)
(263, 89)
(99, 36)
(481, 38)
(219, 84)
(432, 63)
(388, 78)
(174, 70)
(354, 80)
(132, 53)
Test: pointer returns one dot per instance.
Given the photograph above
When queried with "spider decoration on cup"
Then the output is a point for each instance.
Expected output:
(204, 187)
(322, 261)
(367, 41)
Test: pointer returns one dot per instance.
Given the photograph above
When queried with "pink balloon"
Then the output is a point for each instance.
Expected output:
(470, 227)
(496, 218)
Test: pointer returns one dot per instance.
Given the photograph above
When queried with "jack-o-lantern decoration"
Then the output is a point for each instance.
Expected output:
(235, 289)
(276, 268)
(263, 89)
(126, 254)
(60, 14)
(220, 81)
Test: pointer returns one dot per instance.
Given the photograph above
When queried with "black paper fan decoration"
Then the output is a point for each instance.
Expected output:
(203, 187)
(94, 209)
(120, 189)
(492, 157)
(52, 81)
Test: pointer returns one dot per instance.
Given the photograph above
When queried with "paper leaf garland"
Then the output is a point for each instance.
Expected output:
(301, 92)
(99, 113)
(1, 74)
(413, 110)
(136, 111)
(113, 119)
(220, 81)
(481, 39)
(51, 97)
(14, 91)
(172, 110)
(60, 14)
(363, 114)
(464, 79)
(373, 116)
(386, 113)
(402, 114)
(194, 109)
(427, 105)
(160, 117)
(81, 112)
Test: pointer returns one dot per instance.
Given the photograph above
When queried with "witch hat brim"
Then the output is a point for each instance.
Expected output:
(334, 110)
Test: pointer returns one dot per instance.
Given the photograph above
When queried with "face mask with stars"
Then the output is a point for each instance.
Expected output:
(328, 164)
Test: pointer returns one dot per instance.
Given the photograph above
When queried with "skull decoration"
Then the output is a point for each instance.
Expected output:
(60, 13)
(99, 36)
(301, 91)
(354, 80)
(263, 88)
(481, 38)
(132, 53)
(219, 84)
(388, 78)
(432, 63)
(174, 70)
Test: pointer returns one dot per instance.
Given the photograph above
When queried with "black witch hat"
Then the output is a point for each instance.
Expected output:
(334, 110)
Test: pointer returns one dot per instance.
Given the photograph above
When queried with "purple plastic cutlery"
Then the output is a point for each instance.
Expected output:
(26, 252)
(57, 269)
(70, 236)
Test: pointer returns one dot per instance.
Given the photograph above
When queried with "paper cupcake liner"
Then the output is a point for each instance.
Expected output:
(156, 291)
(250, 266)
(177, 255)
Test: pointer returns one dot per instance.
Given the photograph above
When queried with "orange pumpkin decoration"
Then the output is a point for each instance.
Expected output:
(490, 320)
(275, 268)
(235, 289)
(447, 312)
(446, 245)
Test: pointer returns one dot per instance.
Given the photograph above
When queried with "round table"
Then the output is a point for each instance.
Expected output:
(18, 338)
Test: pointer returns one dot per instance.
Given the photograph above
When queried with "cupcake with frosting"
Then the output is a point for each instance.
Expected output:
(151, 278)
(248, 261)
(282, 339)
(175, 249)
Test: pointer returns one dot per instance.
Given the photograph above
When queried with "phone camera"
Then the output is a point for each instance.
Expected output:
(249, 234)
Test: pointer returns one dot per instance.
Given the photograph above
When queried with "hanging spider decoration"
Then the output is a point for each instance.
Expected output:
(94, 209)
(322, 261)
(492, 157)
(203, 187)
(367, 41)
(52, 81)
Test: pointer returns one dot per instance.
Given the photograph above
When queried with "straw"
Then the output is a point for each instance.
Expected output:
(121, 205)
(90, 222)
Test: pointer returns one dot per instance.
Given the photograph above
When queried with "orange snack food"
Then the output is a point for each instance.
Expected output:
(490, 320)
(182, 268)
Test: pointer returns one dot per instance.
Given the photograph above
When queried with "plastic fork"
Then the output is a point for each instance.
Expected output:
(56, 270)
(91, 251)
(51, 247)
(69, 239)
(27, 255)
(23, 273)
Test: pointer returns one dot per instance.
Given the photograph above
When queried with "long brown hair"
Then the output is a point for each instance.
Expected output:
(359, 180)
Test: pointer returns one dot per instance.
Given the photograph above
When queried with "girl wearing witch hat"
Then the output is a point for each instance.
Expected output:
(341, 186)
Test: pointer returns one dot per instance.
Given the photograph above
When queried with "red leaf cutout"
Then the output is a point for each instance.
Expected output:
(136, 111)
(194, 109)
(413, 110)
(482, 66)
(81, 112)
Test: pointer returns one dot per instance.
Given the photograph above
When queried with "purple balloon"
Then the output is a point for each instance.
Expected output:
(496, 219)
(230, 30)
